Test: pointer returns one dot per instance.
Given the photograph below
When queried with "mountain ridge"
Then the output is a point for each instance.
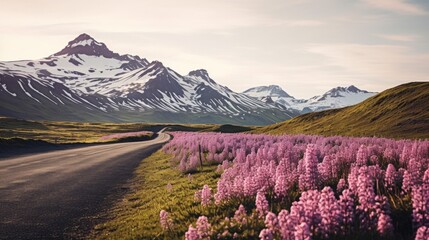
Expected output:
(334, 98)
(86, 81)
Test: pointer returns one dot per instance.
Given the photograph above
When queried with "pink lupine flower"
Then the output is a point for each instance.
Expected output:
(165, 220)
(420, 202)
(352, 178)
(197, 196)
(237, 186)
(391, 176)
(362, 156)
(327, 168)
(414, 168)
(271, 221)
(250, 186)
(206, 195)
(192, 234)
(307, 209)
(384, 225)
(283, 177)
(261, 204)
(286, 224)
(347, 208)
(389, 154)
(405, 155)
(330, 212)
(365, 188)
(384, 222)
(203, 227)
(240, 215)
(311, 175)
(193, 163)
(266, 234)
(366, 197)
(223, 189)
(422, 233)
(406, 182)
(302, 182)
(302, 232)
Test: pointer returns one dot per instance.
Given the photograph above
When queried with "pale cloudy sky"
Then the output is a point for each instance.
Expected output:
(305, 46)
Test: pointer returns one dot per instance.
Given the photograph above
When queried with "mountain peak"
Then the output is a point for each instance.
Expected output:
(353, 88)
(87, 45)
(83, 37)
(270, 90)
(156, 64)
(200, 73)
(156, 67)
(274, 87)
(340, 92)
(84, 40)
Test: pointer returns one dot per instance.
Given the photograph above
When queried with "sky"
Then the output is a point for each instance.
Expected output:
(305, 46)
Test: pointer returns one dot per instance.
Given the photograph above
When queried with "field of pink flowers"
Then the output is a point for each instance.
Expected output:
(307, 187)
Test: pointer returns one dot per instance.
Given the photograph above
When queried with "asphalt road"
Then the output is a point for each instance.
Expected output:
(55, 195)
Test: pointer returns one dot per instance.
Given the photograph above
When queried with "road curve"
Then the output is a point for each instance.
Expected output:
(52, 195)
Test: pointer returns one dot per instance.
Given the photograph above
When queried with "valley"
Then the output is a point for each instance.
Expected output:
(201, 120)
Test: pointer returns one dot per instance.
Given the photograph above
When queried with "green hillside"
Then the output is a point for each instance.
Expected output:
(399, 112)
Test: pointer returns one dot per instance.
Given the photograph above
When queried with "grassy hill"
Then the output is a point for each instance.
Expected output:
(399, 112)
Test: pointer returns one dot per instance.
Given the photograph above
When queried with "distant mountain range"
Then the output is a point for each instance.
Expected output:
(86, 81)
(335, 98)
(399, 112)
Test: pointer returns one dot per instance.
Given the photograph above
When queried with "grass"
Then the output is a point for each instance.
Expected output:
(78, 132)
(61, 132)
(137, 215)
(399, 112)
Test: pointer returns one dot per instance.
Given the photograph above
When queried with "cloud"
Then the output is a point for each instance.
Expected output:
(397, 6)
(400, 38)
(386, 64)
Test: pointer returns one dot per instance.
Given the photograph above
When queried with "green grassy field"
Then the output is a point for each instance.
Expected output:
(62, 132)
(399, 112)
(77, 132)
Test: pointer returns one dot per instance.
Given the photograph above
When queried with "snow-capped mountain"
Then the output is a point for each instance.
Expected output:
(86, 81)
(269, 94)
(335, 98)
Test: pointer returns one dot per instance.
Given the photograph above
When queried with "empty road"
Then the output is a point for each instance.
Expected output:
(56, 194)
